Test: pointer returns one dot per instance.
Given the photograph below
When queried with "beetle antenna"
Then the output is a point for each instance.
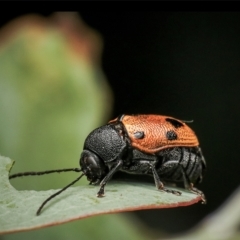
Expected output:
(188, 121)
(44, 172)
(57, 193)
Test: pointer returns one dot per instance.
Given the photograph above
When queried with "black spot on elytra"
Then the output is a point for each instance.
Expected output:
(171, 135)
(174, 122)
(139, 135)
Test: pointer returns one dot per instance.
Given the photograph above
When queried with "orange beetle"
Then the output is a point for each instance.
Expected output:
(161, 146)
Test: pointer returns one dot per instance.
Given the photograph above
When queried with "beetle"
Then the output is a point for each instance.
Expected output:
(161, 146)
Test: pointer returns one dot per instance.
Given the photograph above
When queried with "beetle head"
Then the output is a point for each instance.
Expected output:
(92, 166)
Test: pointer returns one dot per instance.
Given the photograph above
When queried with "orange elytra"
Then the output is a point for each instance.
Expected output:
(160, 132)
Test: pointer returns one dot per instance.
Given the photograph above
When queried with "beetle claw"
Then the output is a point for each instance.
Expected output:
(204, 200)
(177, 193)
(198, 192)
(171, 191)
(100, 192)
(100, 195)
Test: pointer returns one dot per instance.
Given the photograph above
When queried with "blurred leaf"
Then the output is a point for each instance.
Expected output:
(18, 208)
(52, 93)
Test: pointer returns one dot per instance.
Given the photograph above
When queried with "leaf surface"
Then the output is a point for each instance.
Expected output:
(18, 208)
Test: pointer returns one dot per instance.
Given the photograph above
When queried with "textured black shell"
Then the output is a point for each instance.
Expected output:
(105, 142)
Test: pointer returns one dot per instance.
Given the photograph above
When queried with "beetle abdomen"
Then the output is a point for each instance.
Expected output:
(173, 161)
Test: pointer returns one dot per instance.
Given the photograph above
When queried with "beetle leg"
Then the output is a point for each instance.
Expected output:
(108, 177)
(189, 185)
(159, 184)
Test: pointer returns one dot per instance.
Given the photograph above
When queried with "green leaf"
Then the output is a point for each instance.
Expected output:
(18, 208)
(52, 92)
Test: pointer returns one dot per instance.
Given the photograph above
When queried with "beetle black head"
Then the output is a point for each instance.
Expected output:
(92, 166)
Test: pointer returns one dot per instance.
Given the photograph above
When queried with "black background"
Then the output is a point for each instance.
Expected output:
(186, 65)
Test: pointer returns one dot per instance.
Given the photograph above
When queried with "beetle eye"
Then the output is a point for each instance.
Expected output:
(139, 135)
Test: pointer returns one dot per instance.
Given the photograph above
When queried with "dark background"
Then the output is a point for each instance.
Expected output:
(186, 65)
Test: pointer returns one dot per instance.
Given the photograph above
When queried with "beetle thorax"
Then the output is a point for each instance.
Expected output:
(106, 143)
